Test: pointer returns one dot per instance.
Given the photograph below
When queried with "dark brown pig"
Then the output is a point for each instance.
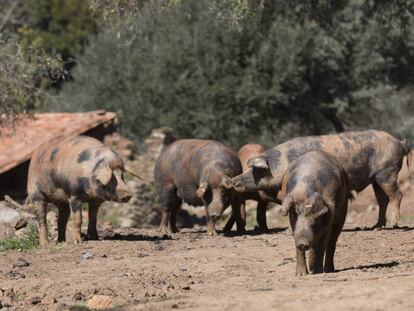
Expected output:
(262, 198)
(68, 173)
(197, 172)
(368, 157)
(316, 192)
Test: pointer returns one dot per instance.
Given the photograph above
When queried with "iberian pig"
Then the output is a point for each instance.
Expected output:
(316, 192)
(262, 198)
(197, 172)
(368, 157)
(69, 172)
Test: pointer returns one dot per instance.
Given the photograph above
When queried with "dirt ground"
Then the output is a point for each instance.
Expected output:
(140, 270)
(137, 269)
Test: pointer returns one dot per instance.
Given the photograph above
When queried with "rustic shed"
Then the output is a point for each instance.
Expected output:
(20, 141)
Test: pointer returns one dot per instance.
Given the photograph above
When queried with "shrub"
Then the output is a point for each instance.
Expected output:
(27, 242)
(222, 70)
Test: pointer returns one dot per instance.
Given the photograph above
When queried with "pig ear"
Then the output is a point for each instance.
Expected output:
(226, 182)
(104, 173)
(318, 207)
(258, 162)
(130, 170)
(287, 204)
(202, 189)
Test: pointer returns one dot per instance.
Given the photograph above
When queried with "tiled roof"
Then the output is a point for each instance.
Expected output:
(18, 143)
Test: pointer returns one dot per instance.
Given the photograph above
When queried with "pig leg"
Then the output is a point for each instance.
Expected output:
(330, 250)
(173, 217)
(63, 217)
(93, 208)
(231, 221)
(261, 216)
(76, 208)
(40, 210)
(169, 202)
(165, 217)
(239, 211)
(301, 268)
(238, 215)
(383, 201)
(211, 225)
(388, 192)
(316, 256)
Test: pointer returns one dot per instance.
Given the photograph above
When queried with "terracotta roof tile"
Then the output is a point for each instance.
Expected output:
(18, 143)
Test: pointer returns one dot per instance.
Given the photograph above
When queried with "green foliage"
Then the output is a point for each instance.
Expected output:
(58, 27)
(234, 72)
(28, 242)
(18, 89)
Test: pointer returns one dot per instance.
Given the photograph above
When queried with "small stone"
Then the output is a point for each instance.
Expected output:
(104, 256)
(100, 302)
(174, 306)
(21, 263)
(183, 269)
(186, 288)
(142, 255)
(16, 275)
(35, 300)
(78, 296)
(49, 300)
(159, 248)
(87, 255)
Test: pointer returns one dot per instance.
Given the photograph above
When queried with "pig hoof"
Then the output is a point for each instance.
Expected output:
(301, 273)
(44, 244)
(163, 231)
(377, 227)
(394, 225)
(175, 230)
(93, 237)
(77, 239)
(261, 229)
(212, 233)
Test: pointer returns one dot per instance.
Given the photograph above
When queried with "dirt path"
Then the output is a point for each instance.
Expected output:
(140, 271)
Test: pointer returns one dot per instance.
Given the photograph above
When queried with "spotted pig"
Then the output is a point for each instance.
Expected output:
(368, 157)
(68, 173)
(315, 190)
(197, 172)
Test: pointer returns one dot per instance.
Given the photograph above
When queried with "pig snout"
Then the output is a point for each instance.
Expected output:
(123, 194)
(238, 184)
(303, 245)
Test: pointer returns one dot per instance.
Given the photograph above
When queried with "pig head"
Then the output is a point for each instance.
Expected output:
(258, 176)
(216, 192)
(308, 219)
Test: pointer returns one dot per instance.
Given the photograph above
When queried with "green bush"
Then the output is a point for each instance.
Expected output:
(27, 242)
(18, 89)
(229, 71)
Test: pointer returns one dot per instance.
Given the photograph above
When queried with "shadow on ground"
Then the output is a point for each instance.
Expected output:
(389, 264)
(403, 228)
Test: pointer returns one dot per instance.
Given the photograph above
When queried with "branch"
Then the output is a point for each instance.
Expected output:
(6, 19)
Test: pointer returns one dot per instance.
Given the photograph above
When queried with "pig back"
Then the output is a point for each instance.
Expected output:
(185, 163)
(58, 166)
(362, 154)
